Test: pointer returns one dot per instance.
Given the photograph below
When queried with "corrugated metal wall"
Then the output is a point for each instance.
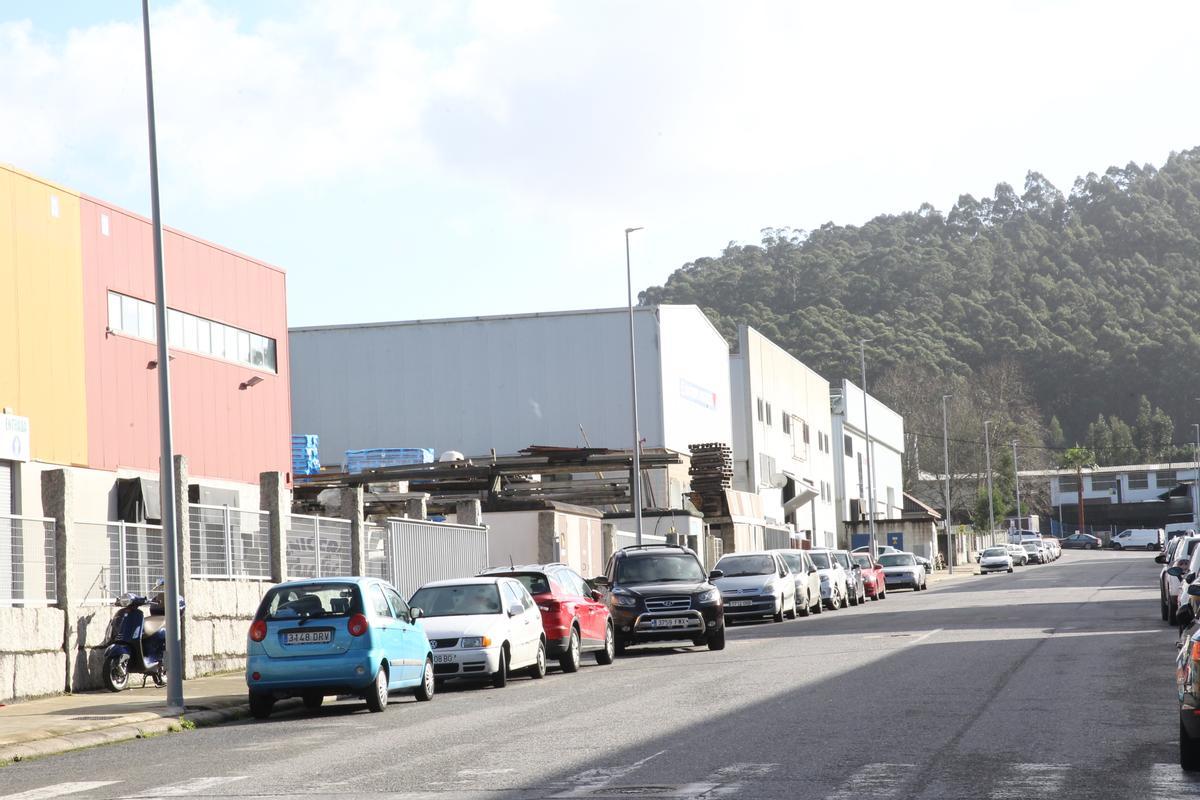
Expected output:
(421, 552)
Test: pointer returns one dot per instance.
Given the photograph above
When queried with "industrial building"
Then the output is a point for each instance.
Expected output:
(852, 483)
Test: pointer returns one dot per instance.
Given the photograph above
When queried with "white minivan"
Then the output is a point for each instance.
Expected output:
(1139, 539)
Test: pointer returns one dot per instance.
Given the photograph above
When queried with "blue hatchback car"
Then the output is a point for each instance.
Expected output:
(325, 636)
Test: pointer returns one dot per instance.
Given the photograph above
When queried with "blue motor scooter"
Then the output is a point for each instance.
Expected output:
(137, 641)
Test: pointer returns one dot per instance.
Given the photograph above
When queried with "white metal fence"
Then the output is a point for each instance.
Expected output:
(379, 552)
(417, 551)
(229, 542)
(27, 561)
(317, 547)
(134, 558)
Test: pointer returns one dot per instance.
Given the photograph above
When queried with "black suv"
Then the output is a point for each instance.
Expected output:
(660, 593)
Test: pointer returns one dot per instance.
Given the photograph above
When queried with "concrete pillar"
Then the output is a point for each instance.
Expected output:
(352, 509)
(547, 538)
(183, 529)
(469, 512)
(608, 540)
(58, 503)
(275, 498)
(414, 507)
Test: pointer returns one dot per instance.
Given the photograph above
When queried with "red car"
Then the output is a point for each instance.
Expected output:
(872, 576)
(573, 618)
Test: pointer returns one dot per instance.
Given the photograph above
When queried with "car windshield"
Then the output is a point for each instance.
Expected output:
(821, 560)
(795, 562)
(659, 568)
(998, 552)
(741, 566)
(535, 582)
(897, 560)
(863, 561)
(453, 601)
(843, 559)
(1031, 547)
(311, 600)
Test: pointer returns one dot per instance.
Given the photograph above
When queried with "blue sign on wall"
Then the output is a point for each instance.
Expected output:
(860, 540)
(896, 539)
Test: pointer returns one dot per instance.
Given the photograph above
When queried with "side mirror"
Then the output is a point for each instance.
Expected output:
(1175, 572)
(857, 568)
(1194, 590)
(516, 609)
(716, 573)
(1161, 558)
(600, 580)
(597, 595)
(415, 614)
(1191, 576)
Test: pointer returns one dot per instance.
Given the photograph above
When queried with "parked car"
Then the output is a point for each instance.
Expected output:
(903, 569)
(1080, 541)
(1022, 536)
(879, 549)
(924, 562)
(1186, 575)
(755, 585)
(874, 582)
(482, 629)
(1018, 555)
(660, 593)
(1036, 550)
(995, 559)
(1178, 554)
(1187, 685)
(808, 582)
(834, 591)
(363, 640)
(856, 590)
(1052, 547)
(574, 617)
(1139, 539)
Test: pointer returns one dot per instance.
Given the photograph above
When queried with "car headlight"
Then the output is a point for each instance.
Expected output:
(623, 600)
(477, 641)
(711, 596)
(768, 589)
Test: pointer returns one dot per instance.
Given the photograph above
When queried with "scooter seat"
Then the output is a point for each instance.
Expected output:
(152, 625)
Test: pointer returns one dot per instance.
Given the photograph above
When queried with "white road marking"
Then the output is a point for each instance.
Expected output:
(874, 781)
(587, 782)
(727, 781)
(188, 788)
(57, 790)
(1031, 781)
(1168, 780)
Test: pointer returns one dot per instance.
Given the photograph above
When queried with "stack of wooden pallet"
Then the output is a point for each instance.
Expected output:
(712, 474)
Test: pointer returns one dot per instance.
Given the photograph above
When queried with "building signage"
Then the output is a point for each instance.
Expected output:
(697, 394)
(14, 437)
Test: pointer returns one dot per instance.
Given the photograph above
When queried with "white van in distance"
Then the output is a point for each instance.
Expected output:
(1139, 539)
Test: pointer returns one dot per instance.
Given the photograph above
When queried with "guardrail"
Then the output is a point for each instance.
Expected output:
(229, 542)
(28, 566)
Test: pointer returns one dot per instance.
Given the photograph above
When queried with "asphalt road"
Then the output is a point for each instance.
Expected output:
(1053, 682)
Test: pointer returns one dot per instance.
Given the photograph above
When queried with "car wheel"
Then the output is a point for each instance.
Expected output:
(778, 615)
(818, 606)
(717, 640)
(1189, 751)
(846, 598)
(116, 672)
(261, 705)
(606, 655)
(620, 645)
(853, 598)
(377, 695)
(1172, 613)
(538, 670)
(1151, 547)
(570, 659)
(794, 612)
(313, 700)
(1010, 569)
(1116, 546)
(883, 594)
(428, 683)
(500, 676)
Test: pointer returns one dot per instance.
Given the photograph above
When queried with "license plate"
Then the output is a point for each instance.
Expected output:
(443, 658)
(731, 603)
(308, 637)
(673, 622)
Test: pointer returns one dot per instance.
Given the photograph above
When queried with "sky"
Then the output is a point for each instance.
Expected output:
(406, 160)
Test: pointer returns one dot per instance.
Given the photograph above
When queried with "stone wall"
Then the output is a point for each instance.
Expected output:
(32, 661)
(216, 621)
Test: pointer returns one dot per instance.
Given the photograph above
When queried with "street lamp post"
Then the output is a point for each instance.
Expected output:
(166, 453)
(987, 450)
(1017, 484)
(862, 355)
(946, 456)
(636, 477)
(1196, 482)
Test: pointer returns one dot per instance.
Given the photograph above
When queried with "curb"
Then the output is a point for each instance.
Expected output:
(132, 726)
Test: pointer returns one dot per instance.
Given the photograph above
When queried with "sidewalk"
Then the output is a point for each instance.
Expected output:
(66, 722)
(960, 571)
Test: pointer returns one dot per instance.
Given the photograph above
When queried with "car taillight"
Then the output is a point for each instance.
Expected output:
(548, 605)
(357, 625)
(258, 630)
(1195, 651)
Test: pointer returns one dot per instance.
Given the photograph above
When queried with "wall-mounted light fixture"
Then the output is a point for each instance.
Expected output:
(154, 364)
(255, 381)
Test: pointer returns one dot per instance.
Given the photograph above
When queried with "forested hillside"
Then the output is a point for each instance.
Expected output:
(1095, 295)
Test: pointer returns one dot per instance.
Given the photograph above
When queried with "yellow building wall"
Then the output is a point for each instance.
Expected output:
(41, 315)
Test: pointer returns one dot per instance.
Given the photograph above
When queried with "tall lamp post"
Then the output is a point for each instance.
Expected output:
(166, 454)
(862, 355)
(1017, 484)
(1196, 482)
(946, 456)
(636, 478)
(987, 451)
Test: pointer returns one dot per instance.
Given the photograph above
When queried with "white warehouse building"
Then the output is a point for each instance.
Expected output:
(782, 436)
(851, 481)
(507, 382)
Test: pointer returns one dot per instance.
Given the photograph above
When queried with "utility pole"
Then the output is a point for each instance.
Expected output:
(862, 355)
(1196, 482)
(946, 457)
(636, 478)
(987, 450)
(166, 465)
(1017, 484)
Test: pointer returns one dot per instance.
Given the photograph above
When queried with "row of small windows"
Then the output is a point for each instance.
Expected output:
(1137, 480)
(135, 317)
(791, 424)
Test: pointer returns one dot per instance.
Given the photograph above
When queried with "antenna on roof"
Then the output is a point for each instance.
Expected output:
(510, 562)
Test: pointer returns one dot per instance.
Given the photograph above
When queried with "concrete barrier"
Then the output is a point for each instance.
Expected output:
(32, 661)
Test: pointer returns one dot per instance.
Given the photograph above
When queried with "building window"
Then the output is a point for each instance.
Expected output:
(804, 425)
(767, 466)
(1068, 483)
(135, 317)
(759, 403)
(1104, 483)
(848, 444)
(787, 423)
(1165, 477)
(769, 421)
(1139, 480)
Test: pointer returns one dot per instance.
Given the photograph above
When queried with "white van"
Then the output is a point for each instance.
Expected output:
(1139, 539)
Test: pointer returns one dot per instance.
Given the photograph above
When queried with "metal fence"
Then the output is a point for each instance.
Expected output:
(317, 547)
(378, 552)
(135, 559)
(417, 551)
(229, 542)
(28, 574)
(776, 538)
